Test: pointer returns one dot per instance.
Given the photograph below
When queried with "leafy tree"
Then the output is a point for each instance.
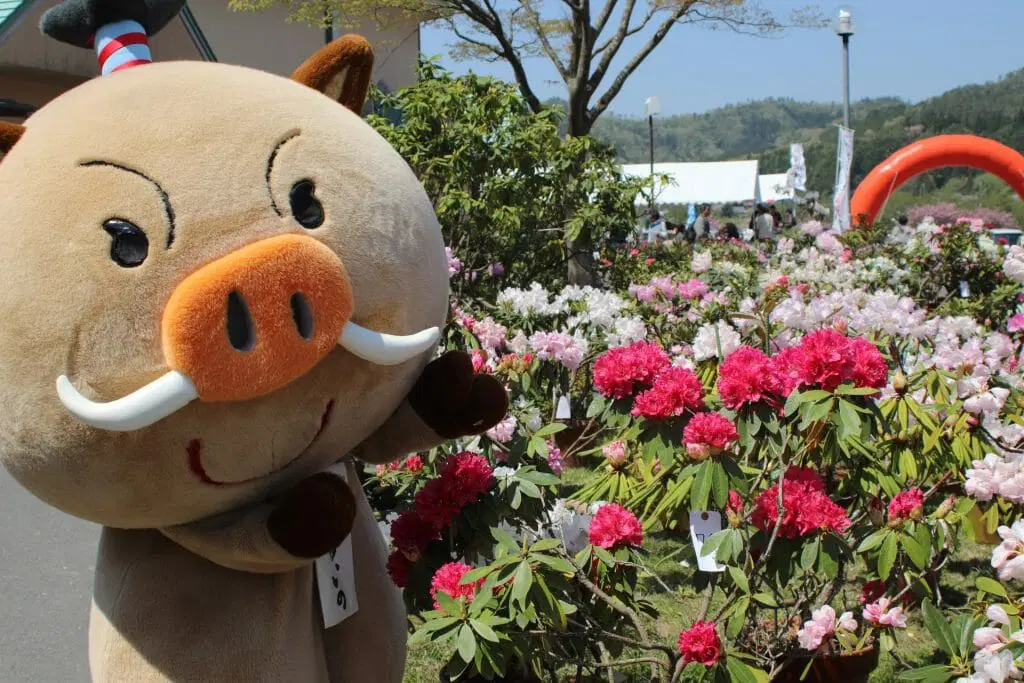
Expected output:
(585, 41)
(499, 177)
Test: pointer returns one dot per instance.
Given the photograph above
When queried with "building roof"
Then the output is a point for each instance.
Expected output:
(11, 12)
(716, 182)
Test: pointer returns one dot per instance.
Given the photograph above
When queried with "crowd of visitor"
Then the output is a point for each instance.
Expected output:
(765, 223)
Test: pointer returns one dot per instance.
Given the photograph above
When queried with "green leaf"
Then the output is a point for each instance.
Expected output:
(938, 627)
(739, 578)
(738, 618)
(549, 430)
(765, 599)
(522, 582)
(559, 564)
(887, 557)
(450, 605)
(545, 544)
(990, 586)
(504, 538)
(604, 556)
(466, 643)
(933, 673)
(485, 631)
(873, 540)
(793, 403)
(917, 554)
(809, 554)
(701, 486)
(596, 406)
(474, 575)
(739, 671)
(849, 417)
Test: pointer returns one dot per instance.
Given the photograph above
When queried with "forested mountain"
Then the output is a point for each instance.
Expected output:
(764, 129)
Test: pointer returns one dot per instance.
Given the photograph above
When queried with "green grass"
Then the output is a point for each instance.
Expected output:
(676, 611)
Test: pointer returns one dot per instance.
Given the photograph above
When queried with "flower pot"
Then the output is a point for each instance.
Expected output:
(848, 667)
(981, 534)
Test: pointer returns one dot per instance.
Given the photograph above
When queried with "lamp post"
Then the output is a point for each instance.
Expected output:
(845, 30)
(652, 106)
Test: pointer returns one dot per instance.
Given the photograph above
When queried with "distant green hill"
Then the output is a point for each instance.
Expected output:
(764, 129)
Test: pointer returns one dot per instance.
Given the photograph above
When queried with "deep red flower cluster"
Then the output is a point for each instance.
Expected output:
(448, 579)
(462, 479)
(625, 370)
(823, 359)
(805, 506)
(700, 644)
(710, 429)
(675, 391)
(614, 527)
(746, 376)
(907, 504)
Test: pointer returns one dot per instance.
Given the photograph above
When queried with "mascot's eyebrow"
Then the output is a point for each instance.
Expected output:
(270, 165)
(168, 209)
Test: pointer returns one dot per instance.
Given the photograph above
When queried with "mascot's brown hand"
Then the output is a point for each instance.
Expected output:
(454, 401)
(314, 517)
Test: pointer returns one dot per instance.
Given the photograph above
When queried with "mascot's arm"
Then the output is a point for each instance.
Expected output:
(448, 401)
(277, 536)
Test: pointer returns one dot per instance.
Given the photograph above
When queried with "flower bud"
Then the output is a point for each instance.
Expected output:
(615, 454)
(899, 383)
(945, 508)
(698, 451)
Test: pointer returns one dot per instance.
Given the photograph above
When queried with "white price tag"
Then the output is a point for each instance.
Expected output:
(564, 410)
(335, 575)
(965, 289)
(702, 526)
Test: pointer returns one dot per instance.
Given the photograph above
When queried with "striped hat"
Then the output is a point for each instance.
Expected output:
(121, 45)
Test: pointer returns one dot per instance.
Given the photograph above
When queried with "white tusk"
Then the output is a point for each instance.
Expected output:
(386, 349)
(141, 408)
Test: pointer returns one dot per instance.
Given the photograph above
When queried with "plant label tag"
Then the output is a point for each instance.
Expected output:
(965, 289)
(335, 575)
(564, 410)
(702, 525)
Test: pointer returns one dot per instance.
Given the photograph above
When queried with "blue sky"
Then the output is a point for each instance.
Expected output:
(908, 48)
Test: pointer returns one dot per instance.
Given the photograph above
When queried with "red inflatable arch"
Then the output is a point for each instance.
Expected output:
(927, 155)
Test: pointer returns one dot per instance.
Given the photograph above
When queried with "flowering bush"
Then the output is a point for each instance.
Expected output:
(805, 452)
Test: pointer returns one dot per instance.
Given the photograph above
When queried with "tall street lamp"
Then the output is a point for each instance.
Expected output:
(845, 30)
(652, 106)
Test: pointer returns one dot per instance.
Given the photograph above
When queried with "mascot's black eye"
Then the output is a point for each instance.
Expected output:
(130, 246)
(305, 206)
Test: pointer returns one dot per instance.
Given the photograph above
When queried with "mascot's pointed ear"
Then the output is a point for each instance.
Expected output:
(341, 70)
(10, 133)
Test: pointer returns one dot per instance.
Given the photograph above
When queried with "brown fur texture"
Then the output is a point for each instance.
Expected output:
(214, 514)
(341, 71)
(10, 133)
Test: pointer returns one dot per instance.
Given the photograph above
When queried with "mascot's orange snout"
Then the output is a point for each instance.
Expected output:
(258, 318)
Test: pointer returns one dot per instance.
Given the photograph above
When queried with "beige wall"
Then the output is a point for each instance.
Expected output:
(28, 47)
(266, 40)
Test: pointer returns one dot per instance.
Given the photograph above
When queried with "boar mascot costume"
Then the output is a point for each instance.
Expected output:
(221, 287)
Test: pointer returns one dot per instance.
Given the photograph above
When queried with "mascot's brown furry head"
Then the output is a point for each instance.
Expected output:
(217, 281)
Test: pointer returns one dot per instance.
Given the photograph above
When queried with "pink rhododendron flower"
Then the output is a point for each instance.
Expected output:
(675, 390)
(479, 358)
(907, 504)
(880, 615)
(614, 527)
(700, 644)
(1016, 323)
(624, 370)
(615, 453)
(988, 636)
(1007, 557)
(806, 507)
(819, 627)
(747, 376)
(710, 429)
(555, 461)
(454, 264)
(846, 622)
(448, 580)
(692, 289)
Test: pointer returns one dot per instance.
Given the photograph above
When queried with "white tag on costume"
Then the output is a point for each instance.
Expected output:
(564, 409)
(702, 526)
(335, 575)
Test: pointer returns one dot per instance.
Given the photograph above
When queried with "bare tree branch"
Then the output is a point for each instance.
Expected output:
(533, 17)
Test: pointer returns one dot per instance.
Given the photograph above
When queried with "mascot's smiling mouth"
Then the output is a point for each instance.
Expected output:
(195, 450)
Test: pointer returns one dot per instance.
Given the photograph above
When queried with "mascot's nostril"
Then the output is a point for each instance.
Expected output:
(241, 333)
(302, 314)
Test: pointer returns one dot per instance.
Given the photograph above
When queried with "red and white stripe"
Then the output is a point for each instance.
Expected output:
(121, 45)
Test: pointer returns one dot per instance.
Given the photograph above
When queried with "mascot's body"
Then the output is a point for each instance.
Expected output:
(221, 283)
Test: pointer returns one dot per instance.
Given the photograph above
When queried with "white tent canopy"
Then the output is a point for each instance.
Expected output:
(716, 182)
(772, 187)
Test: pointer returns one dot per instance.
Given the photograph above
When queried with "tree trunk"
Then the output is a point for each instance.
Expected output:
(582, 267)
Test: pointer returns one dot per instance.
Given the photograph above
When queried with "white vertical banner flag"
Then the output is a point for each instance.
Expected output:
(844, 160)
(797, 175)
